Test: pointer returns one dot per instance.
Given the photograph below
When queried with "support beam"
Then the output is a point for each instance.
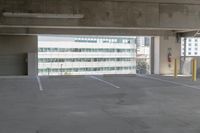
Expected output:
(86, 31)
(136, 14)
(195, 33)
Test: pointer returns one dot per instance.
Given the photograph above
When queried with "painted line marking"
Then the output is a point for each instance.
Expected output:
(106, 82)
(39, 83)
(172, 82)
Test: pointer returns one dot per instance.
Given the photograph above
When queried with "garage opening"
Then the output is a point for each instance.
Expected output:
(93, 55)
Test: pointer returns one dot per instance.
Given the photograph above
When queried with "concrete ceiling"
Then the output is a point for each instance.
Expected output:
(125, 16)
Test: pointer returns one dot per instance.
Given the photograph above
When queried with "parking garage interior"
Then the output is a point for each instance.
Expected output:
(163, 99)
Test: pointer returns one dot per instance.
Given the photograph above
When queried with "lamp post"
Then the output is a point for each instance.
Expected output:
(48, 71)
(61, 68)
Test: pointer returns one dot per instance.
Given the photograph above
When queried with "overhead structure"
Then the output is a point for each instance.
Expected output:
(195, 33)
(140, 17)
(167, 20)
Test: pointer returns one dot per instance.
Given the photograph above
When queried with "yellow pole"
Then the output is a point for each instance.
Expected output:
(175, 69)
(194, 69)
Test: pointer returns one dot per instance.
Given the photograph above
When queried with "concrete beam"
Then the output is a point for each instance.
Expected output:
(195, 33)
(135, 14)
(86, 31)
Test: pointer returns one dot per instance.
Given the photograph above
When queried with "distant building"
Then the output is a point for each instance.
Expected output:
(143, 55)
(86, 55)
(192, 47)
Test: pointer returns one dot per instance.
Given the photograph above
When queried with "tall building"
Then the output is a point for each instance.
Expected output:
(86, 55)
(143, 55)
(192, 47)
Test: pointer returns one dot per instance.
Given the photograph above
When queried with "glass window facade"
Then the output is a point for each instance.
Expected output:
(86, 55)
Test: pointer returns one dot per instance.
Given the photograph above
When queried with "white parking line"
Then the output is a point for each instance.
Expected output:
(39, 83)
(172, 82)
(106, 82)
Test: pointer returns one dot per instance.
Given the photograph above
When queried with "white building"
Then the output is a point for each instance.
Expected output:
(192, 47)
(86, 55)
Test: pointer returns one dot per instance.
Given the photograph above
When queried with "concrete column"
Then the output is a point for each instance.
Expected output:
(156, 55)
(162, 46)
(152, 55)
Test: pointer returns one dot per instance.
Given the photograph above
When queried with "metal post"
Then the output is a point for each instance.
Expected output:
(48, 71)
(61, 69)
(194, 69)
(175, 68)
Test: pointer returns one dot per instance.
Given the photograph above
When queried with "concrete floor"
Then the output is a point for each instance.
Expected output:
(91, 104)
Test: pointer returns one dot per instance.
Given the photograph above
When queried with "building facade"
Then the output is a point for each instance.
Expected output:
(143, 54)
(192, 47)
(86, 55)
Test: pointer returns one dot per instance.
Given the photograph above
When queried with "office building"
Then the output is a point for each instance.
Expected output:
(192, 47)
(86, 55)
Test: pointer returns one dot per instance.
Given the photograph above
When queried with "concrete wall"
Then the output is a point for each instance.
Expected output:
(162, 44)
(18, 46)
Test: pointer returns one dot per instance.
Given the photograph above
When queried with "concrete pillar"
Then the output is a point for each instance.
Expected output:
(156, 55)
(18, 55)
(162, 46)
(152, 54)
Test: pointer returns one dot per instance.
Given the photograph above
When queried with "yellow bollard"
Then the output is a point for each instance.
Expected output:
(194, 69)
(175, 69)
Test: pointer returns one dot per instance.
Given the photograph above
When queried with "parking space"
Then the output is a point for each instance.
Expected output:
(99, 104)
